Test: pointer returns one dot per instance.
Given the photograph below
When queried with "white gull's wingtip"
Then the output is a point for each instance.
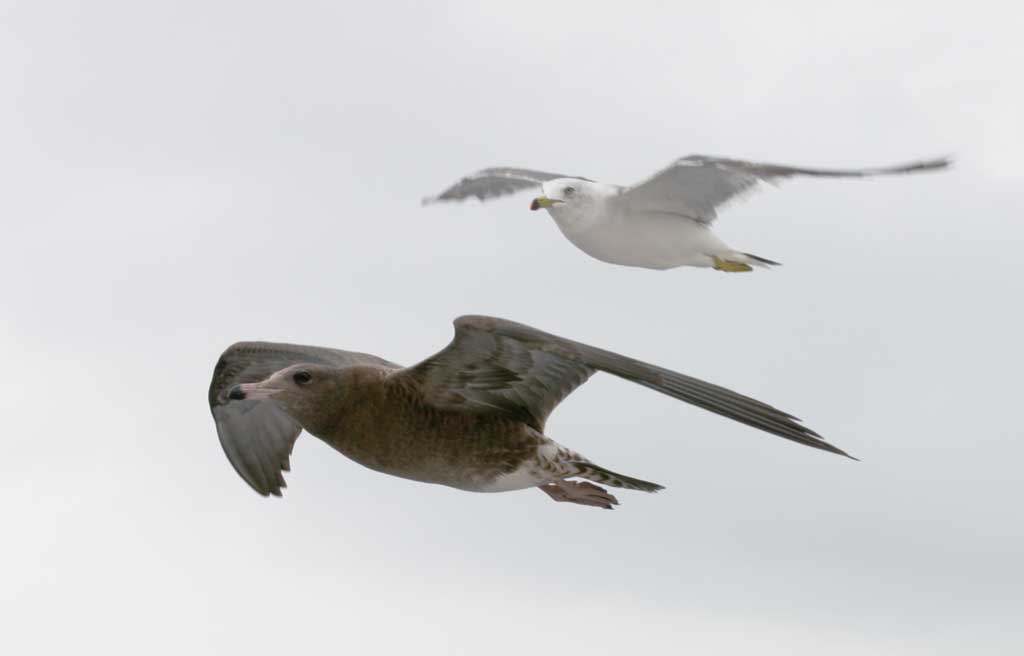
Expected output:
(933, 164)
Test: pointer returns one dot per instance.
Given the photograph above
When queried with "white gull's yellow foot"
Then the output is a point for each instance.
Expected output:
(721, 264)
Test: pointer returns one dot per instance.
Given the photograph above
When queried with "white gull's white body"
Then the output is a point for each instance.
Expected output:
(602, 228)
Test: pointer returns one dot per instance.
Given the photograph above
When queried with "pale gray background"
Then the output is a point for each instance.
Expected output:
(179, 176)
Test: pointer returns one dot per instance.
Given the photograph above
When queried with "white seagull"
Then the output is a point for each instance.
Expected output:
(661, 223)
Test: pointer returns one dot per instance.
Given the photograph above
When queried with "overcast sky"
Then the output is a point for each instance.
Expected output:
(183, 175)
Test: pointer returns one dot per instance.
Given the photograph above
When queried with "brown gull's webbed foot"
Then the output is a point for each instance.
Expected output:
(581, 492)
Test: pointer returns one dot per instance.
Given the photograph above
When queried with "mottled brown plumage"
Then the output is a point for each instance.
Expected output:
(470, 417)
(382, 421)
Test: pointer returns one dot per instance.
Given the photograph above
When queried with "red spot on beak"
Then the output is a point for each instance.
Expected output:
(535, 205)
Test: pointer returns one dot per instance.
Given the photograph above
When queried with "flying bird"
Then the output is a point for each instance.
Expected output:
(470, 417)
(661, 223)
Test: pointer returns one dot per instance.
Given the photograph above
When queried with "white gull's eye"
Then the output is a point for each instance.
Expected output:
(569, 191)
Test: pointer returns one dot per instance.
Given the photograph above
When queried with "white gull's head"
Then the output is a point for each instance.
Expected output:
(569, 200)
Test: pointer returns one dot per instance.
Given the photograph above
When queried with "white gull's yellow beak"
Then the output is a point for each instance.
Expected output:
(539, 202)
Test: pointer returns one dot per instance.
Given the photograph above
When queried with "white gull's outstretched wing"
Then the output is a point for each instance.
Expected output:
(695, 186)
(494, 182)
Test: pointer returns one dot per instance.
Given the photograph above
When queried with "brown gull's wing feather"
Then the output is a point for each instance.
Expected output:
(257, 436)
(498, 366)
(483, 371)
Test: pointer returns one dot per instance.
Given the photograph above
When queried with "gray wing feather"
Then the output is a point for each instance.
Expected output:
(257, 436)
(695, 186)
(484, 371)
(494, 182)
(503, 367)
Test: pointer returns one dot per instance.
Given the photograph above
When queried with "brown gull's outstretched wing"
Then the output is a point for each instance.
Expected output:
(498, 366)
(257, 435)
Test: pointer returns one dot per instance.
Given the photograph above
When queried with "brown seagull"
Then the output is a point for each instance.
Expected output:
(471, 416)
